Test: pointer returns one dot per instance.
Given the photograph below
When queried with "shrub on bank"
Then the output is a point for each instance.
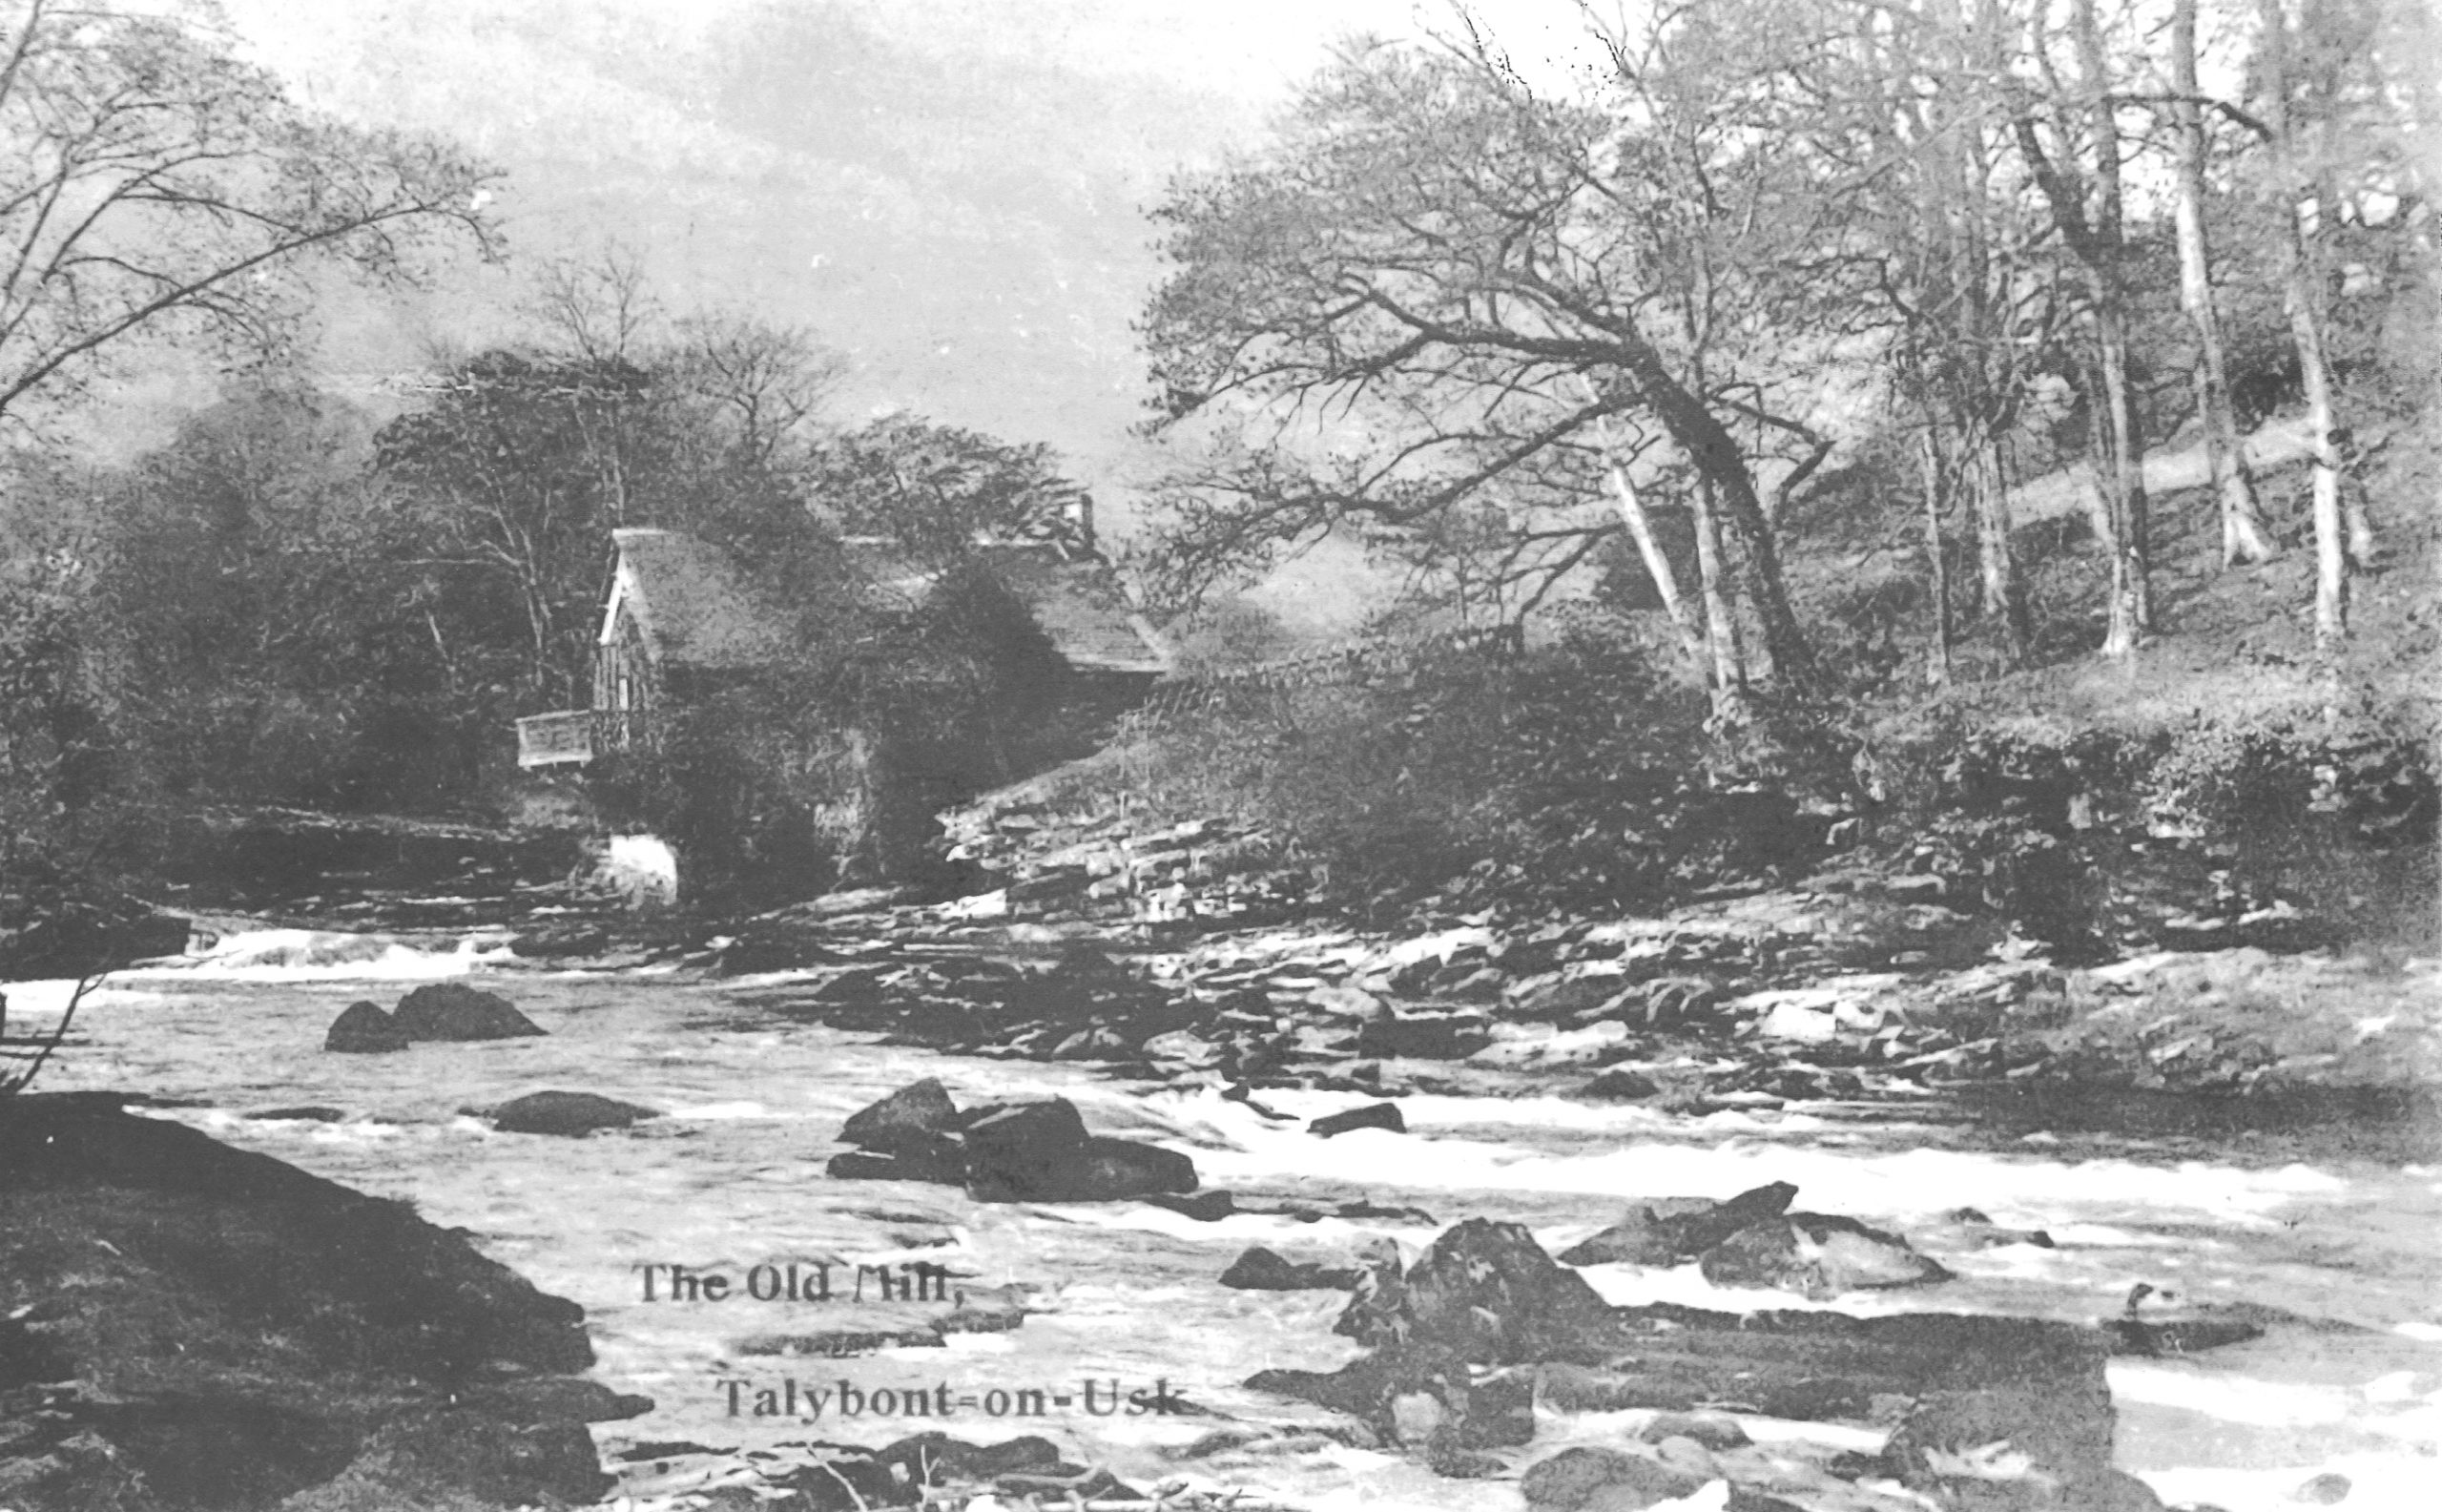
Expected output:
(1570, 775)
(2323, 814)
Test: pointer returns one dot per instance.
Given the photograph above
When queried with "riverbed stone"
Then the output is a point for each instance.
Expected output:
(1597, 1479)
(1711, 1429)
(1669, 1231)
(917, 1116)
(1260, 1269)
(567, 1115)
(1819, 1255)
(1374, 1115)
(452, 1010)
(1483, 1291)
(1621, 1085)
(364, 1029)
(1424, 1036)
(2048, 1407)
(1041, 1153)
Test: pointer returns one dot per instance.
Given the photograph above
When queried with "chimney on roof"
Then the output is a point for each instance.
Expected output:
(1078, 516)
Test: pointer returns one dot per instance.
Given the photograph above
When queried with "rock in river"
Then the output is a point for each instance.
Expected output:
(222, 1329)
(363, 1028)
(1608, 1479)
(1041, 1153)
(452, 1010)
(1818, 1254)
(919, 1111)
(1375, 1115)
(1668, 1230)
(570, 1114)
(1259, 1270)
(1486, 1292)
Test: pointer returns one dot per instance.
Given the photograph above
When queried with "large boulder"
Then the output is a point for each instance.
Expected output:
(363, 1028)
(452, 1010)
(2013, 1436)
(914, 1120)
(222, 1330)
(1485, 1293)
(1669, 1231)
(1594, 1479)
(1818, 1254)
(1041, 1153)
(568, 1114)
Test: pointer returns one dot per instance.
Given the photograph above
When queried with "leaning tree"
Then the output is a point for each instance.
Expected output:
(1444, 309)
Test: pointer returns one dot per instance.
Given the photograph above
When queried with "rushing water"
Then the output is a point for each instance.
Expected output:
(732, 1178)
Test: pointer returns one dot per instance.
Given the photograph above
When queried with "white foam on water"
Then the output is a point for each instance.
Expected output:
(2377, 1484)
(327, 954)
(642, 867)
(47, 997)
(1918, 1182)
(2227, 1398)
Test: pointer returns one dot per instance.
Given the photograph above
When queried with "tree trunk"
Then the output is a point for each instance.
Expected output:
(1717, 457)
(2132, 607)
(2243, 533)
(1657, 566)
(1721, 623)
(2305, 331)
(1937, 570)
(2004, 591)
(2097, 241)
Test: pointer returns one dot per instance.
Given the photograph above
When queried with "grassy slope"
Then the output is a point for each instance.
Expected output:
(2227, 643)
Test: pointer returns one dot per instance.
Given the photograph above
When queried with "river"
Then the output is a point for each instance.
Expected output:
(732, 1179)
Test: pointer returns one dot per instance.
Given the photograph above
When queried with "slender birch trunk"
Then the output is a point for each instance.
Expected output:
(1720, 622)
(2243, 533)
(1936, 484)
(1657, 566)
(2305, 331)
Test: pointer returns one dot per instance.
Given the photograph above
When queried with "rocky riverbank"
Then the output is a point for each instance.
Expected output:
(184, 1325)
(1843, 991)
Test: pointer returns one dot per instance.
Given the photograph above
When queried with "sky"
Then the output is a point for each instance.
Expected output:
(953, 191)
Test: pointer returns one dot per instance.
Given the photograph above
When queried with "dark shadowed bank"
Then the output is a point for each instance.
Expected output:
(190, 1326)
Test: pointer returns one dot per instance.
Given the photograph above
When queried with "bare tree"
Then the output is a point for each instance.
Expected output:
(151, 183)
(2069, 135)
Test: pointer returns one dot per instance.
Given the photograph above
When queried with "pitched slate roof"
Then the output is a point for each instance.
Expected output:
(1073, 596)
(690, 602)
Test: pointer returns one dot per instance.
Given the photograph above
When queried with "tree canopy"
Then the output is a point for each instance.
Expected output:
(153, 184)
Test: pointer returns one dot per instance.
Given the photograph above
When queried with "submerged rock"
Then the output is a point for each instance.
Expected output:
(1969, 1228)
(946, 1168)
(1819, 1255)
(452, 1010)
(1620, 1084)
(1610, 1479)
(1259, 1270)
(567, 1115)
(1376, 1115)
(1711, 1429)
(363, 1028)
